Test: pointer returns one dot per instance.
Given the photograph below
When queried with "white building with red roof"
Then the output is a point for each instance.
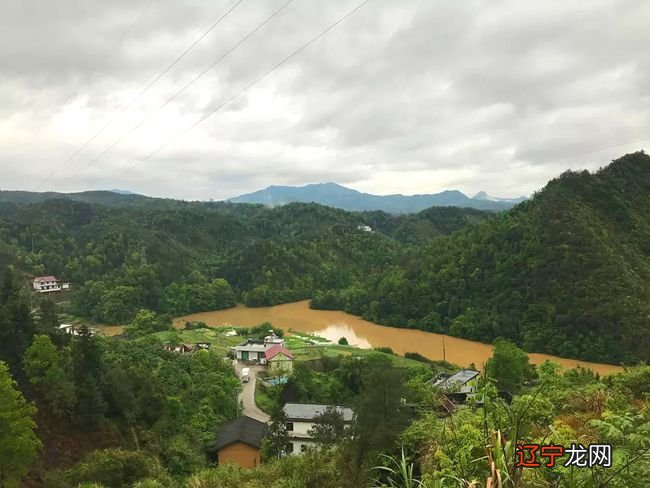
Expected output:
(279, 358)
(48, 284)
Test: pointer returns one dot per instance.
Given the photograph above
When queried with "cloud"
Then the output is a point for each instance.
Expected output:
(405, 97)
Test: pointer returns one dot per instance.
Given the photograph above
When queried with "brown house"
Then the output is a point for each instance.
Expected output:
(239, 442)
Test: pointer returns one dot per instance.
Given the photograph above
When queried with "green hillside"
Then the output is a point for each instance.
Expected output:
(567, 272)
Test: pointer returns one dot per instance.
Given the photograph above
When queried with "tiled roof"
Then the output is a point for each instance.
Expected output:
(242, 429)
(460, 378)
(45, 278)
(275, 350)
(309, 411)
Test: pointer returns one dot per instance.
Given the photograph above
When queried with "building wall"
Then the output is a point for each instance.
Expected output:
(470, 386)
(298, 446)
(239, 453)
(300, 429)
(281, 363)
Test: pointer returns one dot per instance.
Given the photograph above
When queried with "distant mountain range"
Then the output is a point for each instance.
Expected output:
(329, 194)
(334, 195)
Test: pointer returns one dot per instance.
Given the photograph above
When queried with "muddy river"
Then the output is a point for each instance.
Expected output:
(333, 325)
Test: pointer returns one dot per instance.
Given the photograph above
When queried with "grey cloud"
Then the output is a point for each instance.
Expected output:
(411, 87)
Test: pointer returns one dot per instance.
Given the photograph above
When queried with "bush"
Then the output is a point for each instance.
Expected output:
(416, 356)
(197, 324)
(385, 350)
(114, 468)
(343, 341)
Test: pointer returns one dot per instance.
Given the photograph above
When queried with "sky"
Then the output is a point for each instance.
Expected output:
(401, 97)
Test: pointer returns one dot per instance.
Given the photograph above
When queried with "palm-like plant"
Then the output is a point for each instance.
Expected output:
(399, 473)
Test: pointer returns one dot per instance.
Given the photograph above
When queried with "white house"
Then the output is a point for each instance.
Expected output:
(68, 329)
(465, 381)
(249, 351)
(47, 284)
(253, 350)
(364, 228)
(301, 419)
(273, 340)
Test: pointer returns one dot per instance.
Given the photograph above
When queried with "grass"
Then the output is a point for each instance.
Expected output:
(309, 352)
(220, 343)
(263, 400)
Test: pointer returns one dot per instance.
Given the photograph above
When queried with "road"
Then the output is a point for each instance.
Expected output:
(247, 395)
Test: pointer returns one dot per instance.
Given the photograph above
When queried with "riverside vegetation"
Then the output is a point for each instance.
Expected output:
(566, 272)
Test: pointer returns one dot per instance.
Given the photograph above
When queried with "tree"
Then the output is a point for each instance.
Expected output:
(509, 366)
(88, 371)
(147, 322)
(49, 319)
(16, 325)
(45, 370)
(343, 341)
(379, 416)
(276, 443)
(19, 444)
(329, 427)
(134, 395)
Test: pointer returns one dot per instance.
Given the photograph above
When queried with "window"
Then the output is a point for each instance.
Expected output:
(290, 426)
(303, 447)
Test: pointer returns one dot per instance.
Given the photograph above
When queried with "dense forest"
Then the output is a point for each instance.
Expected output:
(92, 412)
(567, 272)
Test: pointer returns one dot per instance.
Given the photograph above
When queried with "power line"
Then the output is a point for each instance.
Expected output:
(142, 92)
(129, 29)
(110, 51)
(247, 87)
(175, 95)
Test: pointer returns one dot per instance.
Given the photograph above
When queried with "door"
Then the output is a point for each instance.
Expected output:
(244, 355)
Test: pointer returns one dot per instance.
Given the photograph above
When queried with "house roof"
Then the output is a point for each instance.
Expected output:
(458, 379)
(250, 347)
(242, 429)
(275, 350)
(45, 278)
(309, 411)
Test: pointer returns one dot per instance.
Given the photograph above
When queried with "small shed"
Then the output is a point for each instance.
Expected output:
(239, 441)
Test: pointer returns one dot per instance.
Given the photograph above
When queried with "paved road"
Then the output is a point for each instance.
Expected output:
(247, 395)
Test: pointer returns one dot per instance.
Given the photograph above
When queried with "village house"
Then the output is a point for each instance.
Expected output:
(250, 350)
(279, 359)
(69, 329)
(254, 350)
(239, 442)
(301, 418)
(464, 381)
(186, 348)
(48, 284)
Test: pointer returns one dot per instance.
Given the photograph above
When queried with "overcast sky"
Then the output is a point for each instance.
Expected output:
(402, 97)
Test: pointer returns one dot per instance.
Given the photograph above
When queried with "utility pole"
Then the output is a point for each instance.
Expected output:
(444, 355)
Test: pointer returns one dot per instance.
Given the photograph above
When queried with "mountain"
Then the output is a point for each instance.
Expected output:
(485, 197)
(117, 198)
(334, 195)
(567, 272)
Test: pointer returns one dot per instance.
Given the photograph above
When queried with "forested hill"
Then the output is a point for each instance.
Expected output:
(174, 256)
(567, 272)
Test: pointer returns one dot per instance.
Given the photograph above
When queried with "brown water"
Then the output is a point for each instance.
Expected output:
(333, 325)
